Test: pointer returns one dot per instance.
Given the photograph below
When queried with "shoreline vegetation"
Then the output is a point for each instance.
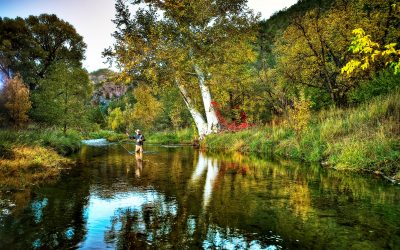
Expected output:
(361, 139)
(33, 156)
(183, 136)
(365, 138)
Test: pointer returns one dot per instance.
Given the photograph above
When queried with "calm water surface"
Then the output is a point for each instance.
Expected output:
(180, 198)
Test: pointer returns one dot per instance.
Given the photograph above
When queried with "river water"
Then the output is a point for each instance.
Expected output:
(180, 198)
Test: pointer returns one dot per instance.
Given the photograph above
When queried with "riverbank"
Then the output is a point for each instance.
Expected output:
(362, 139)
(30, 157)
(184, 136)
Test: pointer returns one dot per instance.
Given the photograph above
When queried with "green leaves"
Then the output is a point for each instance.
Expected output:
(32, 45)
(62, 97)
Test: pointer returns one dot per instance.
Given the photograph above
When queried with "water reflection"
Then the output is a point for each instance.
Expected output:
(212, 172)
(128, 219)
(200, 167)
(181, 198)
(139, 164)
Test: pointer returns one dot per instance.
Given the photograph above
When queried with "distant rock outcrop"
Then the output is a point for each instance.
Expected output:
(105, 88)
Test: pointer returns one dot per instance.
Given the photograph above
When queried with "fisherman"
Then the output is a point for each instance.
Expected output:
(139, 140)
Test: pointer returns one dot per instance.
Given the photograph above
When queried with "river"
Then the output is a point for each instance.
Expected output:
(180, 198)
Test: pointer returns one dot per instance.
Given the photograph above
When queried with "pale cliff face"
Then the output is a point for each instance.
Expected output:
(105, 89)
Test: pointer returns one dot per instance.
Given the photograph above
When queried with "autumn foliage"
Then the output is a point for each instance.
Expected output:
(300, 114)
(235, 125)
(17, 103)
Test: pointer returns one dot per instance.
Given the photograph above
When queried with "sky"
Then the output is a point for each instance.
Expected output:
(92, 19)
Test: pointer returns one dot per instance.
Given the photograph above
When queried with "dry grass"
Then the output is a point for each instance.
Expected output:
(30, 166)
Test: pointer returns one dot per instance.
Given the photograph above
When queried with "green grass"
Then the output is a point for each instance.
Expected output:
(184, 136)
(52, 138)
(33, 156)
(365, 138)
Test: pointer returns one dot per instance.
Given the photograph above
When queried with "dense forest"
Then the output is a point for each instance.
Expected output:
(317, 81)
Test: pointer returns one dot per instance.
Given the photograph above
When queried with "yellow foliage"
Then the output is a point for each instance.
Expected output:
(116, 119)
(300, 114)
(16, 95)
(369, 51)
(146, 109)
(30, 165)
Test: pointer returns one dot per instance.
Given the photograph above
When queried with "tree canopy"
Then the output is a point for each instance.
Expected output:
(189, 46)
(32, 45)
(62, 97)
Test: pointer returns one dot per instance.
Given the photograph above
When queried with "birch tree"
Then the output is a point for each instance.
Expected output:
(180, 43)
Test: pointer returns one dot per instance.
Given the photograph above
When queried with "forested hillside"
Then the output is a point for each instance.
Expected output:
(304, 49)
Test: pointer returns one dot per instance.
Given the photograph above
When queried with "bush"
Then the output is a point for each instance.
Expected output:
(106, 134)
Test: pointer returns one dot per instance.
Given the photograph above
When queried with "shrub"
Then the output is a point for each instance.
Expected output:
(383, 84)
(300, 115)
(30, 165)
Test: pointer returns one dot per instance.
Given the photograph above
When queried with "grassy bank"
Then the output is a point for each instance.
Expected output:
(29, 157)
(185, 136)
(29, 166)
(62, 143)
(366, 138)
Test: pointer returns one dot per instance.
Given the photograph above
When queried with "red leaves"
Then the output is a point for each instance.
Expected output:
(234, 125)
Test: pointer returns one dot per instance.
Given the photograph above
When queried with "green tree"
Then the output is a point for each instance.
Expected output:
(62, 97)
(14, 46)
(271, 85)
(31, 46)
(175, 114)
(16, 96)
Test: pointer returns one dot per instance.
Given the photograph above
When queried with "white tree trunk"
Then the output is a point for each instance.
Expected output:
(201, 124)
(213, 125)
